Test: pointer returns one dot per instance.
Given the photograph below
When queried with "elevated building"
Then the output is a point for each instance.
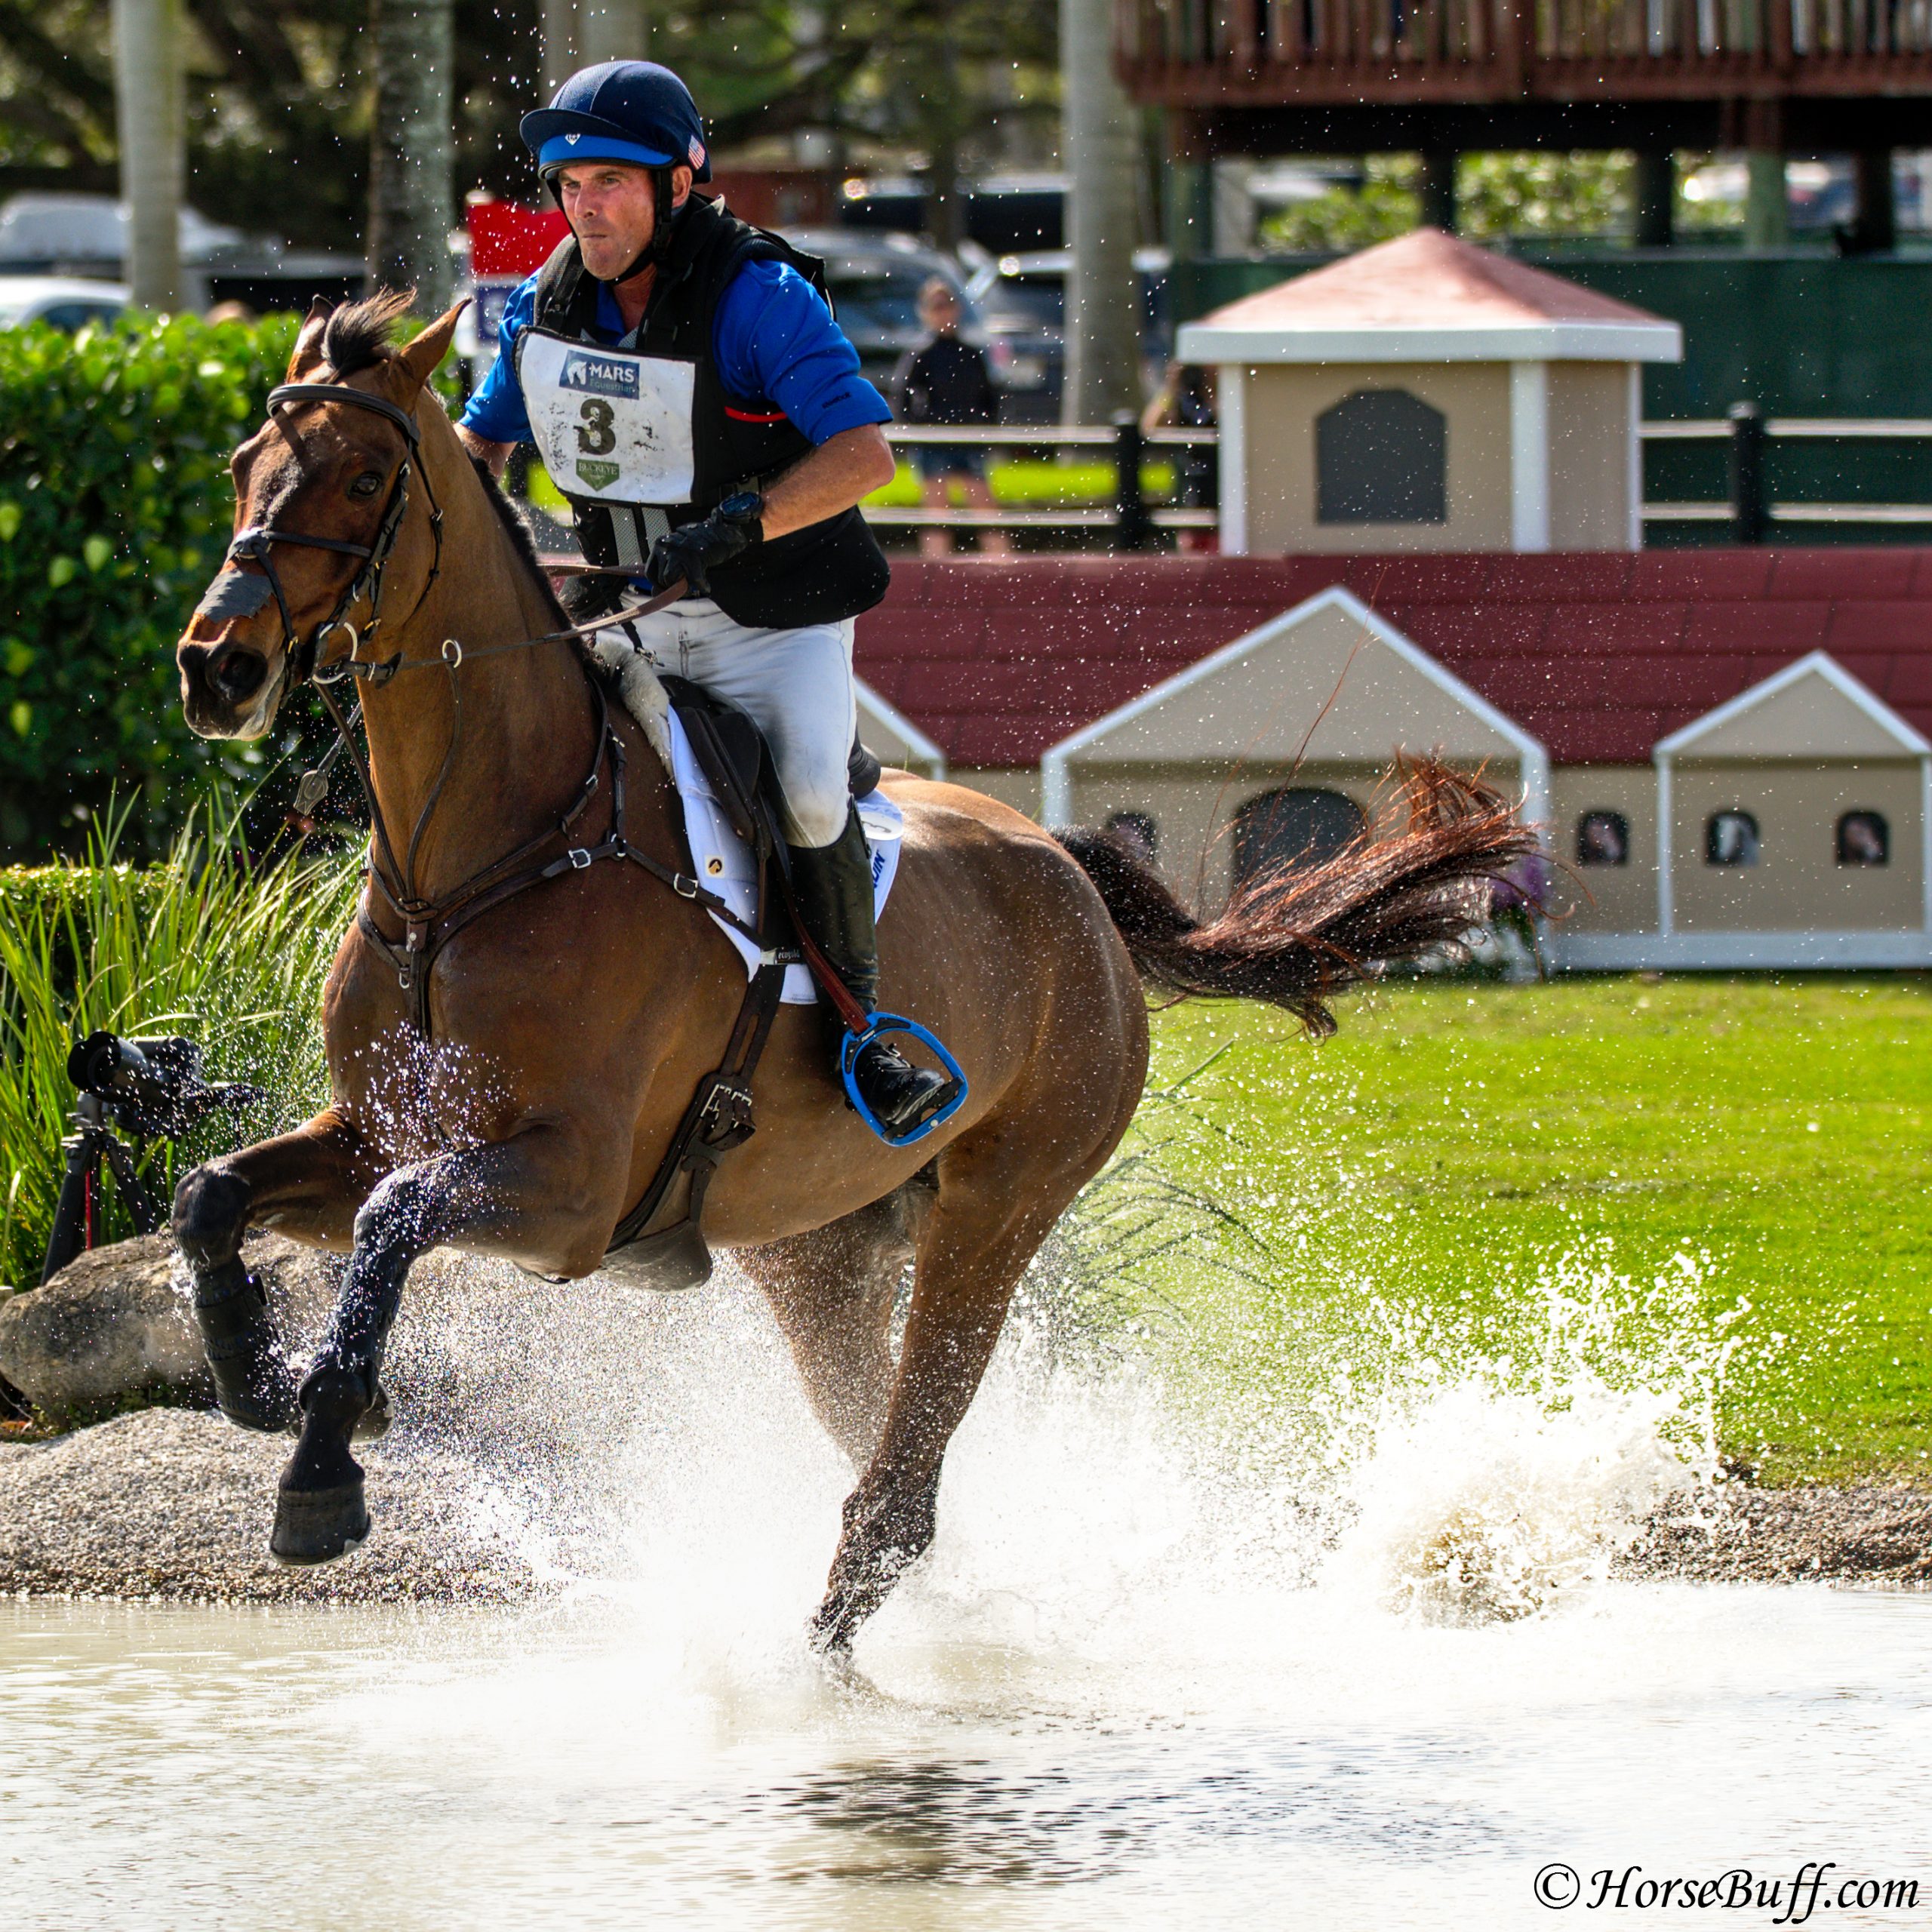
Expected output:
(1277, 77)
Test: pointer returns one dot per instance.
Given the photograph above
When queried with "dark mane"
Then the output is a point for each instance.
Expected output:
(518, 531)
(358, 335)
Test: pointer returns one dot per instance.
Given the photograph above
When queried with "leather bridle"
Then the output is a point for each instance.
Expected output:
(257, 545)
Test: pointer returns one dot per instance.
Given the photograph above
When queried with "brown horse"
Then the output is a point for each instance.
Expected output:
(570, 1023)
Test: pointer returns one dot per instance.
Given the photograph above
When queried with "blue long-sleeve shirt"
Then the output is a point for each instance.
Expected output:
(773, 339)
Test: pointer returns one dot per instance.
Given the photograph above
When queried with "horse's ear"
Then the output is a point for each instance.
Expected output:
(422, 356)
(309, 344)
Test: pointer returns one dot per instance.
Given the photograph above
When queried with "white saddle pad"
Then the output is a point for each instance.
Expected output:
(725, 863)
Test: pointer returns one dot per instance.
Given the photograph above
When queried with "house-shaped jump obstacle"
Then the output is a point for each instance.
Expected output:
(1730, 755)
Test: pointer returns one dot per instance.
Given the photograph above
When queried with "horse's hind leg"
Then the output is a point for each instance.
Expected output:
(832, 1291)
(307, 1184)
(989, 1218)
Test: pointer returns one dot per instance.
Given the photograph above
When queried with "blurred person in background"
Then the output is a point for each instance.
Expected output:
(1186, 402)
(947, 382)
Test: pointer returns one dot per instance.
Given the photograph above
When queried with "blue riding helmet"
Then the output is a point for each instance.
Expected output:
(633, 111)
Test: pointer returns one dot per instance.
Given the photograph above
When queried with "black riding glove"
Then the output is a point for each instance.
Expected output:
(695, 551)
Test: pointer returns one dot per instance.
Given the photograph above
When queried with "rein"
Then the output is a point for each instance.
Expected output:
(430, 924)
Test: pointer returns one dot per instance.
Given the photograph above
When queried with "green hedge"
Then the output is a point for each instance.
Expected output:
(115, 508)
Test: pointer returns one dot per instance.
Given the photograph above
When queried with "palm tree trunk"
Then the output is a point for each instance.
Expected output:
(1099, 152)
(152, 134)
(558, 24)
(413, 157)
(612, 30)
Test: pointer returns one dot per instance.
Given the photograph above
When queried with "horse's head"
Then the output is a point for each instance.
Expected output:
(324, 519)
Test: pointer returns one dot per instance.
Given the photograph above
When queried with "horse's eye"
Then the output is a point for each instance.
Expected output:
(367, 484)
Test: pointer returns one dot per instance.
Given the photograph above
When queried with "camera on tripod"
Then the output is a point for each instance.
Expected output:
(151, 1089)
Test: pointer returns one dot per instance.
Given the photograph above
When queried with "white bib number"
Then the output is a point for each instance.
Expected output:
(609, 424)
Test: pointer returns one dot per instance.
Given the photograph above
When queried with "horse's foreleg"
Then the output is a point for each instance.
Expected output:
(531, 1197)
(974, 1246)
(308, 1183)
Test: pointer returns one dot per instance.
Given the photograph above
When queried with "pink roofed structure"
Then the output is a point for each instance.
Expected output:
(1427, 279)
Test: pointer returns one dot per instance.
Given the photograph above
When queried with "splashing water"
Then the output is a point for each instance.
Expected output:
(1176, 1648)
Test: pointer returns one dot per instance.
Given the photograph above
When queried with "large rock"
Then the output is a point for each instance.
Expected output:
(116, 1322)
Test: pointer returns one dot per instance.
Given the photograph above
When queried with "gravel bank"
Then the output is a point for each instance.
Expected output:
(175, 1503)
(1788, 1536)
(171, 1503)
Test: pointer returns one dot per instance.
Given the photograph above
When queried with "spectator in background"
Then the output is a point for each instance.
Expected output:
(1186, 402)
(946, 383)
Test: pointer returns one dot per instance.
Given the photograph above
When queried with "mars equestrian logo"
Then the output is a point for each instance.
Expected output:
(599, 375)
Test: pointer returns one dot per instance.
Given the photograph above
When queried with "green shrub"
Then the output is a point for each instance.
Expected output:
(231, 954)
(116, 507)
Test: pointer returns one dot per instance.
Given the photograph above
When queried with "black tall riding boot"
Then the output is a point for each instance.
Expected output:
(832, 886)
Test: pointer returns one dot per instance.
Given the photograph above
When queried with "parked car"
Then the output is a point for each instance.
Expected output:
(874, 280)
(63, 234)
(63, 302)
(1022, 301)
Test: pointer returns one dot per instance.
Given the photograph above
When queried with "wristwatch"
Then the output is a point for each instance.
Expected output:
(744, 508)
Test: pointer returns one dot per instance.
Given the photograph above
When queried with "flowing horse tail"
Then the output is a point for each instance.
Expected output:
(1296, 936)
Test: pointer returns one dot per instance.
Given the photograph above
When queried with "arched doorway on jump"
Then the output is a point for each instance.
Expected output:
(1299, 825)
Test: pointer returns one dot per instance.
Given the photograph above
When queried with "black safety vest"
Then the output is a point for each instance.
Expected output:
(826, 571)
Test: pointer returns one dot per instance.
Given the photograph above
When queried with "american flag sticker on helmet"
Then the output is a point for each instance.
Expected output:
(696, 151)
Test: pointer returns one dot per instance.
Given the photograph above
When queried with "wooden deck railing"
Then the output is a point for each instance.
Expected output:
(1259, 51)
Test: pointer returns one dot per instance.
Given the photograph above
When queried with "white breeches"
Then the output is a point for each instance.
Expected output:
(797, 684)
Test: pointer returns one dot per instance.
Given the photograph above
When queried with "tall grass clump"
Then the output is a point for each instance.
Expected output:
(208, 943)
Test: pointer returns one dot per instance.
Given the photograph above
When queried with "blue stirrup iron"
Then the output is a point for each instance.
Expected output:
(855, 1044)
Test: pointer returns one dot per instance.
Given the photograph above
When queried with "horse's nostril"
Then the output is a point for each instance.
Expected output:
(237, 674)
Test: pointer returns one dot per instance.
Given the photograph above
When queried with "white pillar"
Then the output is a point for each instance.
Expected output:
(1666, 829)
(1234, 207)
(1636, 455)
(1925, 834)
(151, 128)
(1056, 790)
(1231, 414)
(1529, 456)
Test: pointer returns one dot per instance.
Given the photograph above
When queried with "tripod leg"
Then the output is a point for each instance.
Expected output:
(138, 1203)
(69, 1235)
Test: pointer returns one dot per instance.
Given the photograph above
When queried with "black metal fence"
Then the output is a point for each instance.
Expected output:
(1752, 510)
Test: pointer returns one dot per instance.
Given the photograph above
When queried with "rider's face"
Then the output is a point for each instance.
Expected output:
(613, 209)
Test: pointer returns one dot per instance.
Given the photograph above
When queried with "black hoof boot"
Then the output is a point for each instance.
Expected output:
(252, 1381)
(900, 1095)
(319, 1511)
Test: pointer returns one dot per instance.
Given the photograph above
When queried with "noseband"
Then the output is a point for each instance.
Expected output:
(257, 545)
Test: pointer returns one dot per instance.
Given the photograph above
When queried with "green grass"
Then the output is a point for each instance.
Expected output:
(1014, 483)
(1421, 1171)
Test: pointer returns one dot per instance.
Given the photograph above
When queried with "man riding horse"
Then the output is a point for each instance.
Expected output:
(525, 1018)
(722, 434)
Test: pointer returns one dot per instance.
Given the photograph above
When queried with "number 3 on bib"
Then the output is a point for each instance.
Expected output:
(609, 423)
(595, 436)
